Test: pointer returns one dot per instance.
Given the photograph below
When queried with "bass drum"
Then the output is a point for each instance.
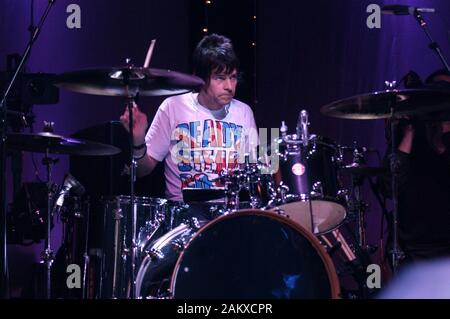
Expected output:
(247, 254)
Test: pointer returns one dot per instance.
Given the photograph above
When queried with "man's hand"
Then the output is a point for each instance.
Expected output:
(140, 124)
(408, 136)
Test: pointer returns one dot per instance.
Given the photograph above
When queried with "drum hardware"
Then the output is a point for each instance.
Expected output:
(391, 104)
(179, 244)
(247, 177)
(74, 212)
(309, 190)
(4, 279)
(317, 190)
(47, 254)
(357, 208)
(146, 233)
(359, 256)
(155, 254)
(49, 143)
(129, 82)
(350, 259)
(331, 248)
(155, 217)
(283, 193)
(280, 212)
(194, 224)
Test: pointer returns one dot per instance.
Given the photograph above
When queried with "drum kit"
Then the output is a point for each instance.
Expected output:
(266, 235)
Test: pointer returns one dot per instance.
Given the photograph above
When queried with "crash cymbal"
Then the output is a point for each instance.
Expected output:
(377, 105)
(112, 81)
(55, 144)
(362, 170)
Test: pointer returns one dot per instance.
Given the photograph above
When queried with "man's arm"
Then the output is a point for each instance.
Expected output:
(145, 163)
(403, 152)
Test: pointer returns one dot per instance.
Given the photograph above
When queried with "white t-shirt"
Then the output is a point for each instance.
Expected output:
(197, 143)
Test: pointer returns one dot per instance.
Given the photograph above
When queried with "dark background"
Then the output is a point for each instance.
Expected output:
(295, 55)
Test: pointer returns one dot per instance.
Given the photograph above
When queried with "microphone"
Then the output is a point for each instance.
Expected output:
(397, 9)
(70, 184)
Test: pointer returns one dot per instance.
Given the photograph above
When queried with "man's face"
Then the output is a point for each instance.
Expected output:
(220, 89)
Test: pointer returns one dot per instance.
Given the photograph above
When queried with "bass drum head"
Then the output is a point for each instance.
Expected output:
(257, 255)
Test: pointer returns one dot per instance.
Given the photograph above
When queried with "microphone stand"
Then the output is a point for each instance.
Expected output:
(433, 44)
(4, 282)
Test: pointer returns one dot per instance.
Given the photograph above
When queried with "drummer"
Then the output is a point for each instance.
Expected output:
(197, 134)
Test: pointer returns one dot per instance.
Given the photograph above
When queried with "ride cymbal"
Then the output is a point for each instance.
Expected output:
(128, 82)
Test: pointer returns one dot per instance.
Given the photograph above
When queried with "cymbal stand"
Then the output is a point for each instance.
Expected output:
(47, 254)
(133, 166)
(357, 206)
(396, 253)
(4, 280)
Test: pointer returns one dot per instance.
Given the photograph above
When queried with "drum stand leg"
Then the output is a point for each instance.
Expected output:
(47, 254)
(361, 257)
(86, 254)
(133, 165)
(396, 253)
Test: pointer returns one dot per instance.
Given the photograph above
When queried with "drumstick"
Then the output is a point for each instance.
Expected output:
(149, 54)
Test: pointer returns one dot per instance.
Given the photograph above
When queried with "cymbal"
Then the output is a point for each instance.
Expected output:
(362, 170)
(55, 144)
(377, 105)
(111, 81)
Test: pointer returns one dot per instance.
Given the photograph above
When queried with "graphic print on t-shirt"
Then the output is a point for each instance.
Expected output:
(204, 148)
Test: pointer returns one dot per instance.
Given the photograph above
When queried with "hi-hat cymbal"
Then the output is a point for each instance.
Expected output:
(55, 144)
(113, 81)
(377, 105)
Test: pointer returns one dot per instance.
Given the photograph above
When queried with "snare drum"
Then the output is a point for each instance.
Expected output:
(247, 254)
(313, 196)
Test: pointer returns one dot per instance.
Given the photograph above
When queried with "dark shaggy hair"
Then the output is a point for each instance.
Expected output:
(214, 53)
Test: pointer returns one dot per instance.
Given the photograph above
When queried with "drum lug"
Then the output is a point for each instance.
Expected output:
(117, 214)
(343, 194)
(317, 189)
(281, 212)
(155, 254)
(283, 190)
(194, 224)
(178, 245)
(125, 253)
